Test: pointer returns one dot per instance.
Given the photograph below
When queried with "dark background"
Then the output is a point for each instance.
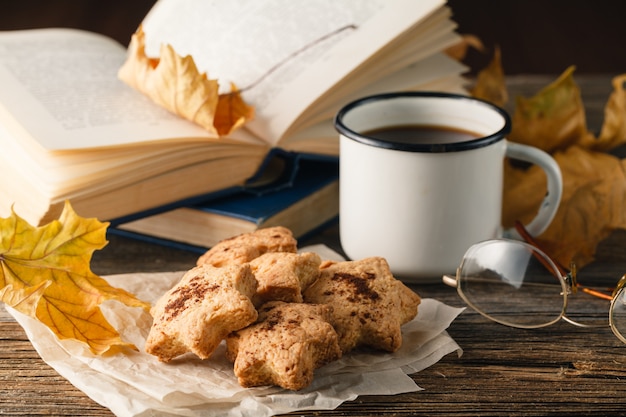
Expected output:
(535, 36)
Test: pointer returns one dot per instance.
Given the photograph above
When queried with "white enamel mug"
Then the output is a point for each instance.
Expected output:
(421, 205)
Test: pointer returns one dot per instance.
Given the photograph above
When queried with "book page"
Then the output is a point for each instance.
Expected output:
(437, 73)
(274, 51)
(411, 78)
(60, 87)
(366, 45)
(247, 41)
(407, 64)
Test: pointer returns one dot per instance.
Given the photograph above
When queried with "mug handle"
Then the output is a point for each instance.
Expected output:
(550, 203)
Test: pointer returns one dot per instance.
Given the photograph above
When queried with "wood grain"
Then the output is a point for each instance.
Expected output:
(555, 371)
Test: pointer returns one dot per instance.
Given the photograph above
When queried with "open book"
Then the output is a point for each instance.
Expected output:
(71, 130)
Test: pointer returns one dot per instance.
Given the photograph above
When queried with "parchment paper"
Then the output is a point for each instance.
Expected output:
(137, 384)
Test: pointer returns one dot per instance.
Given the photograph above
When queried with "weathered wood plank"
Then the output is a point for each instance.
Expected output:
(554, 371)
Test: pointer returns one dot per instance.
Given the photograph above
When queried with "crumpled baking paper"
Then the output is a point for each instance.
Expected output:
(137, 384)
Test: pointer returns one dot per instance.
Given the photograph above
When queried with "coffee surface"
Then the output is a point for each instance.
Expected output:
(421, 134)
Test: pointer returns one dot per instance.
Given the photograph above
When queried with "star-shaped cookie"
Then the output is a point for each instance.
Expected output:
(285, 346)
(245, 247)
(199, 312)
(283, 276)
(369, 303)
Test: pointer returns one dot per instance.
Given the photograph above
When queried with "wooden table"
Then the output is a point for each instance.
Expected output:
(559, 370)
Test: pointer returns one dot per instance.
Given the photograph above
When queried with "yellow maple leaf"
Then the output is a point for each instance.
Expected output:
(26, 299)
(175, 83)
(45, 273)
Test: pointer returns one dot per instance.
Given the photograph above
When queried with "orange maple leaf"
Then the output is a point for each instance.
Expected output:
(232, 112)
(45, 273)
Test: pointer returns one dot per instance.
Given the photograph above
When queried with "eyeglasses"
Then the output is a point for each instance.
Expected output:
(516, 284)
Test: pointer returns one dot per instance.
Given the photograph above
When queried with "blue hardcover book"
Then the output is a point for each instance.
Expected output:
(295, 191)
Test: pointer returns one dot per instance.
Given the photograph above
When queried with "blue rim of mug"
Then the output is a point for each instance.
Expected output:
(415, 147)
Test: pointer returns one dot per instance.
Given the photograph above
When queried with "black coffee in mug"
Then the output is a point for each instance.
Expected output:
(421, 134)
(421, 195)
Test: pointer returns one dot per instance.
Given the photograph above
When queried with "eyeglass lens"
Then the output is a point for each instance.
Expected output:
(505, 281)
(618, 314)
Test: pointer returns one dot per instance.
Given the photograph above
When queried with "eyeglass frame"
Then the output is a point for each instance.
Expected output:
(621, 284)
(568, 282)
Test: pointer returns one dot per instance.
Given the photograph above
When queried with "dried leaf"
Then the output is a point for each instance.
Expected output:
(594, 197)
(554, 118)
(459, 50)
(232, 112)
(490, 84)
(613, 131)
(523, 192)
(175, 83)
(46, 274)
(24, 299)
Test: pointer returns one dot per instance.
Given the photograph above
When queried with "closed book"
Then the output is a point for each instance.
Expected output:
(303, 198)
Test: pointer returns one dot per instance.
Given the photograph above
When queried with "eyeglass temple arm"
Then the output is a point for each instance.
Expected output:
(568, 275)
(449, 280)
(528, 238)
